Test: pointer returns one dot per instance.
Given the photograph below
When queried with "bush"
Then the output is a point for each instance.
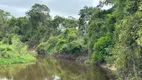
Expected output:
(16, 52)
(67, 42)
(101, 48)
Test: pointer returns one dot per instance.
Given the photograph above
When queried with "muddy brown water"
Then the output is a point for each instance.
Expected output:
(49, 68)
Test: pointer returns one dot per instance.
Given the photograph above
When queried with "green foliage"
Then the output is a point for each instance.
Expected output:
(127, 48)
(4, 30)
(100, 48)
(38, 14)
(97, 31)
(39, 25)
(67, 42)
(17, 60)
(101, 23)
(51, 44)
(70, 22)
(85, 17)
(16, 52)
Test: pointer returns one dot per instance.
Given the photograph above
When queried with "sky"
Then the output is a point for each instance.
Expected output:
(65, 8)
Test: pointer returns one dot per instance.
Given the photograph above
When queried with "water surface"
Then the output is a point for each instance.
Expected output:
(48, 68)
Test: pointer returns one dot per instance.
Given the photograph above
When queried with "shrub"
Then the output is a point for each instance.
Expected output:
(67, 42)
(16, 52)
(101, 48)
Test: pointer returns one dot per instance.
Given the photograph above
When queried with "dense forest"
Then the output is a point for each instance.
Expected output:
(112, 36)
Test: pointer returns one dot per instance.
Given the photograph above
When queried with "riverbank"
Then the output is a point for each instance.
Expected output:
(78, 57)
(52, 68)
(110, 69)
(17, 60)
(84, 58)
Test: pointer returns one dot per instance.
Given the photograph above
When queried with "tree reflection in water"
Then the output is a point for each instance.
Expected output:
(49, 68)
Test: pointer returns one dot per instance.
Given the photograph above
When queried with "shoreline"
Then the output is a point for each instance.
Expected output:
(82, 58)
(110, 69)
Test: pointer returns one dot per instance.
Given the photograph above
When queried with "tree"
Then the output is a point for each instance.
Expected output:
(4, 28)
(127, 50)
(38, 14)
(100, 24)
(39, 24)
(68, 42)
(85, 17)
(70, 22)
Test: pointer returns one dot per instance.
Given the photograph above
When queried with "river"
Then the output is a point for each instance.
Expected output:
(49, 68)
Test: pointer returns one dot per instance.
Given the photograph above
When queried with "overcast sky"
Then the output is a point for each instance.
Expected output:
(57, 7)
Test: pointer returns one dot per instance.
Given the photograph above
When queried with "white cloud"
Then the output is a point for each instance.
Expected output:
(66, 7)
(95, 2)
(107, 7)
(57, 7)
(15, 11)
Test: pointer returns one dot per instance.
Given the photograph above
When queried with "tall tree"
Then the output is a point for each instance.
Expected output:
(85, 17)
(38, 14)
(39, 23)
(4, 28)
(127, 50)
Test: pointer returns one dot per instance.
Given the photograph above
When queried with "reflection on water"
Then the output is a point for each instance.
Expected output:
(47, 68)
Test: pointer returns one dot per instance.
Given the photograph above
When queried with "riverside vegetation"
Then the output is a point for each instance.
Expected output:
(112, 36)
